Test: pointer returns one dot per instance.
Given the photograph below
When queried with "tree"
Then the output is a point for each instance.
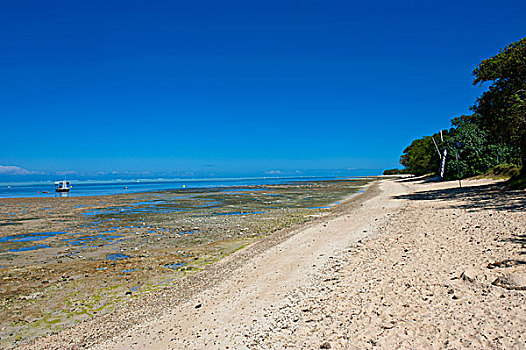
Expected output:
(502, 108)
(418, 157)
(421, 156)
(394, 171)
(477, 154)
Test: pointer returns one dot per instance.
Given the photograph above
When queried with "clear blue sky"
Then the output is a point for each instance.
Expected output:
(245, 86)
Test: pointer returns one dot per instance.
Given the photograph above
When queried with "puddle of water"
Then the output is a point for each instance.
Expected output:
(188, 232)
(118, 256)
(246, 190)
(128, 210)
(86, 239)
(146, 206)
(208, 204)
(135, 288)
(151, 202)
(30, 237)
(35, 247)
(319, 208)
(174, 266)
(239, 213)
(129, 270)
(239, 193)
(99, 212)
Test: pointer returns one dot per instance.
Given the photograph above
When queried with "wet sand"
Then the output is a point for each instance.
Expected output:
(404, 265)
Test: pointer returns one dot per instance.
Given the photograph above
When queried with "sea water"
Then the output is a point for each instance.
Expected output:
(97, 188)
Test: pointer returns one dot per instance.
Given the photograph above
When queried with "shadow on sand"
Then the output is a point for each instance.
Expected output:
(474, 198)
(493, 196)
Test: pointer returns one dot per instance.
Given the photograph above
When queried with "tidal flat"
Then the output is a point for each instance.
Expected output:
(65, 260)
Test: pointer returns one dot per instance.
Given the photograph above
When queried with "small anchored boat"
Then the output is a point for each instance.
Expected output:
(62, 186)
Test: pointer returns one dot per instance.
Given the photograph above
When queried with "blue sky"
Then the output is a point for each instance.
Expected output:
(244, 87)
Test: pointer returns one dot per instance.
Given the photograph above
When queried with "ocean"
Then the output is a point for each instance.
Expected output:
(98, 188)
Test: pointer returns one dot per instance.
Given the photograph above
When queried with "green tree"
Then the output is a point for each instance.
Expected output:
(502, 108)
(394, 171)
(421, 156)
(477, 154)
(418, 158)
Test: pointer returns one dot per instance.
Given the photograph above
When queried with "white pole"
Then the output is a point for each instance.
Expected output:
(436, 146)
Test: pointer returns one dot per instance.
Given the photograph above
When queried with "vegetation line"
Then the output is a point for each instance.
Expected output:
(490, 141)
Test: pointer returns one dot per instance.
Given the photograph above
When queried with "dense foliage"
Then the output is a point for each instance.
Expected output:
(502, 108)
(421, 156)
(494, 134)
(394, 171)
(477, 154)
(504, 171)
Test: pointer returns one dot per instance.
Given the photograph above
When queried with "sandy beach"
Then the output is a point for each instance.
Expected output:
(405, 264)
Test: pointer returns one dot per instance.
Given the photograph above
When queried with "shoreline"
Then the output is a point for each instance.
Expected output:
(408, 265)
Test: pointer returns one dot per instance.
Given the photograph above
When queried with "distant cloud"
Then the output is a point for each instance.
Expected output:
(14, 170)
(273, 172)
(284, 173)
(124, 173)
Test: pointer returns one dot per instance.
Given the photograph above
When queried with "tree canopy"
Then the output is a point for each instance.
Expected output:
(421, 156)
(502, 108)
(477, 155)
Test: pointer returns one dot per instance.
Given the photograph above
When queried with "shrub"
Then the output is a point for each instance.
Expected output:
(504, 171)
(394, 171)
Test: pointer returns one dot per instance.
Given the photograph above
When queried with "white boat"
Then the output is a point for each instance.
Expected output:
(62, 186)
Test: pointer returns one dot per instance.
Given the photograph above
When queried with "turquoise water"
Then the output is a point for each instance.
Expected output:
(30, 237)
(118, 256)
(174, 266)
(88, 239)
(35, 247)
